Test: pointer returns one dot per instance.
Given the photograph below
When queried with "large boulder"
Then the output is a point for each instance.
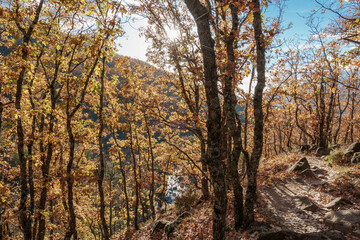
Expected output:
(337, 202)
(346, 221)
(289, 235)
(353, 148)
(305, 203)
(300, 165)
(355, 158)
(321, 151)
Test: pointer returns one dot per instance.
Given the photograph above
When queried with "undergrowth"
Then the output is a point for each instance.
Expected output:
(186, 201)
(335, 158)
(275, 168)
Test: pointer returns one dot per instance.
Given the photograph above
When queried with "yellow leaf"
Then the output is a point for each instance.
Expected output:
(250, 18)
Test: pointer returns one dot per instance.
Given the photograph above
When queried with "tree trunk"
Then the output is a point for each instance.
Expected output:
(46, 159)
(216, 166)
(253, 162)
(25, 220)
(71, 231)
(101, 168)
(152, 184)
(204, 182)
(235, 141)
(136, 206)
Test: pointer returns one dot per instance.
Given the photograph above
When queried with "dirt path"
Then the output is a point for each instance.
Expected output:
(279, 200)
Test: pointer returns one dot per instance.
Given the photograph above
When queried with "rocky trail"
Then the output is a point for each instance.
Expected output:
(313, 199)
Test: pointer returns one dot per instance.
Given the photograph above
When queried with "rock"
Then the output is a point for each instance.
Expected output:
(346, 221)
(305, 203)
(338, 202)
(353, 148)
(300, 165)
(168, 226)
(279, 235)
(158, 226)
(289, 235)
(325, 235)
(307, 173)
(304, 148)
(321, 151)
(320, 171)
(355, 158)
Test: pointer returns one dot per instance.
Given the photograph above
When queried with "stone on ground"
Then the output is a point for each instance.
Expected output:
(305, 203)
(346, 221)
(337, 202)
(353, 148)
(321, 151)
(300, 165)
(289, 235)
(355, 158)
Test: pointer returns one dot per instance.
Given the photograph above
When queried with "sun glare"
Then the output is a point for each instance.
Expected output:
(172, 34)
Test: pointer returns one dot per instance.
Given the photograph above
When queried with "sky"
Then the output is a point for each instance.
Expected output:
(296, 12)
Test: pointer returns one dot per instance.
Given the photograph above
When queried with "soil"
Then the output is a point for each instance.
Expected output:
(277, 201)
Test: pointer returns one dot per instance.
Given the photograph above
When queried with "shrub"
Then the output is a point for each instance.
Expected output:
(185, 201)
(335, 158)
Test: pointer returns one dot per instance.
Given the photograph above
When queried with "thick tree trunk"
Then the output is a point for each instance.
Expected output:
(214, 161)
(253, 163)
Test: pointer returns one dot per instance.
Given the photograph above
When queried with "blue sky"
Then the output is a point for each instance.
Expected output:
(296, 12)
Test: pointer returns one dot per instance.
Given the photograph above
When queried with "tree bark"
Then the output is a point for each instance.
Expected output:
(136, 206)
(233, 120)
(152, 184)
(253, 162)
(214, 161)
(25, 220)
(101, 168)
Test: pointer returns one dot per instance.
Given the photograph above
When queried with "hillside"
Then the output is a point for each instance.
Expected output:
(289, 202)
